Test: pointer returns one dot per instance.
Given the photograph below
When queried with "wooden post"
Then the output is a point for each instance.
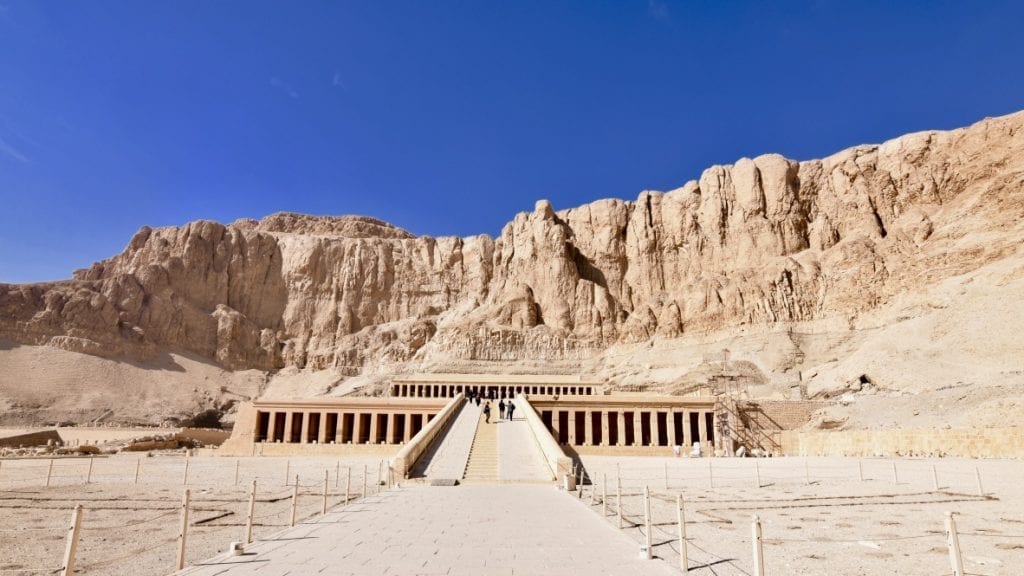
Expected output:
(956, 561)
(49, 473)
(364, 481)
(71, 546)
(895, 475)
(327, 476)
(666, 475)
(647, 522)
(604, 495)
(88, 475)
(977, 476)
(935, 478)
(860, 469)
(287, 471)
(684, 561)
(807, 472)
(348, 482)
(711, 475)
(618, 498)
(757, 473)
(184, 478)
(758, 550)
(380, 466)
(337, 473)
(250, 515)
(138, 464)
(237, 464)
(295, 498)
(183, 533)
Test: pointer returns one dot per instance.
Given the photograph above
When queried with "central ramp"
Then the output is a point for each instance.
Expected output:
(475, 530)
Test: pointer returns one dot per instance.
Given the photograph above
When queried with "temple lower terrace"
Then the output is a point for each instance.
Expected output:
(587, 483)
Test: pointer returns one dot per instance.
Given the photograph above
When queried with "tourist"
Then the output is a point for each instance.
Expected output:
(487, 413)
(501, 410)
(509, 408)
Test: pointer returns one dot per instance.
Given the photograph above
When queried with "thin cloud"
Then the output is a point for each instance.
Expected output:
(9, 150)
(284, 87)
(659, 10)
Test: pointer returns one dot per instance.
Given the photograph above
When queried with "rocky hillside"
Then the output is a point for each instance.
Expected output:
(769, 245)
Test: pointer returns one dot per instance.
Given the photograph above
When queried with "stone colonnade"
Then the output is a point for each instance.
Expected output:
(629, 426)
(432, 390)
(338, 426)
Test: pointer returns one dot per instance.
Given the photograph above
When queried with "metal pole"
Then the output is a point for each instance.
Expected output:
(758, 550)
(287, 471)
(71, 546)
(956, 560)
(618, 499)
(895, 475)
(337, 473)
(252, 511)
(684, 561)
(183, 533)
(860, 469)
(647, 522)
(49, 473)
(295, 498)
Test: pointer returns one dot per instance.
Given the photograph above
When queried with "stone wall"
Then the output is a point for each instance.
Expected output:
(970, 443)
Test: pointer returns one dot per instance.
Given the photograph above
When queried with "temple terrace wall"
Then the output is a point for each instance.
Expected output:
(492, 386)
(962, 442)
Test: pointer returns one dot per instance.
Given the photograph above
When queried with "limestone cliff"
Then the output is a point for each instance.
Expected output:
(764, 242)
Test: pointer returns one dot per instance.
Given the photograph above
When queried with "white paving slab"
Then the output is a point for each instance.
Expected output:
(476, 530)
(447, 457)
(521, 459)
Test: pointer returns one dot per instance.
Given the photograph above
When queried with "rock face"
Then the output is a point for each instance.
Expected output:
(766, 241)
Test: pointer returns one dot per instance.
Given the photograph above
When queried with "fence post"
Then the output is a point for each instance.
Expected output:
(757, 473)
(604, 495)
(647, 522)
(807, 471)
(337, 473)
(758, 550)
(666, 475)
(252, 511)
(184, 478)
(348, 482)
(88, 475)
(183, 534)
(49, 472)
(711, 475)
(287, 471)
(860, 469)
(895, 475)
(138, 464)
(956, 561)
(327, 476)
(237, 465)
(684, 561)
(977, 476)
(935, 478)
(364, 481)
(71, 547)
(380, 467)
(295, 498)
(618, 498)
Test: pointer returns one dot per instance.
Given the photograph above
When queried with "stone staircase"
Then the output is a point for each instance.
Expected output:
(482, 466)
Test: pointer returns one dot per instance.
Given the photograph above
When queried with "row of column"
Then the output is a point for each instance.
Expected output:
(486, 391)
(337, 427)
(630, 427)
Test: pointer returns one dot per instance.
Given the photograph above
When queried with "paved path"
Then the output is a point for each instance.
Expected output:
(447, 458)
(472, 530)
(521, 458)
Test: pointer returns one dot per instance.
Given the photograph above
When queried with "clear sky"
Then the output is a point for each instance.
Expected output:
(447, 117)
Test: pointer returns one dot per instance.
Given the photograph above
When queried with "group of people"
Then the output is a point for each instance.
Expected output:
(505, 408)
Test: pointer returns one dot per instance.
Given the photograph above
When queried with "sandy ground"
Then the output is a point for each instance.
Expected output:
(837, 524)
(132, 529)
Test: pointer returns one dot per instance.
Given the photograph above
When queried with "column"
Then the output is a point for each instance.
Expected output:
(321, 438)
(288, 418)
(392, 437)
(588, 430)
(272, 427)
(653, 419)
(374, 419)
(572, 427)
(687, 441)
(556, 420)
(407, 429)
(701, 432)
(339, 428)
(357, 427)
(670, 421)
(621, 415)
(604, 428)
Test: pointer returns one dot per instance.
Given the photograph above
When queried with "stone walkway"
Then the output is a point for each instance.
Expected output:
(472, 530)
(447, 458)
(521, 458)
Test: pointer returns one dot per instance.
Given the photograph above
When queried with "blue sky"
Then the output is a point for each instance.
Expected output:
(447, 117)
